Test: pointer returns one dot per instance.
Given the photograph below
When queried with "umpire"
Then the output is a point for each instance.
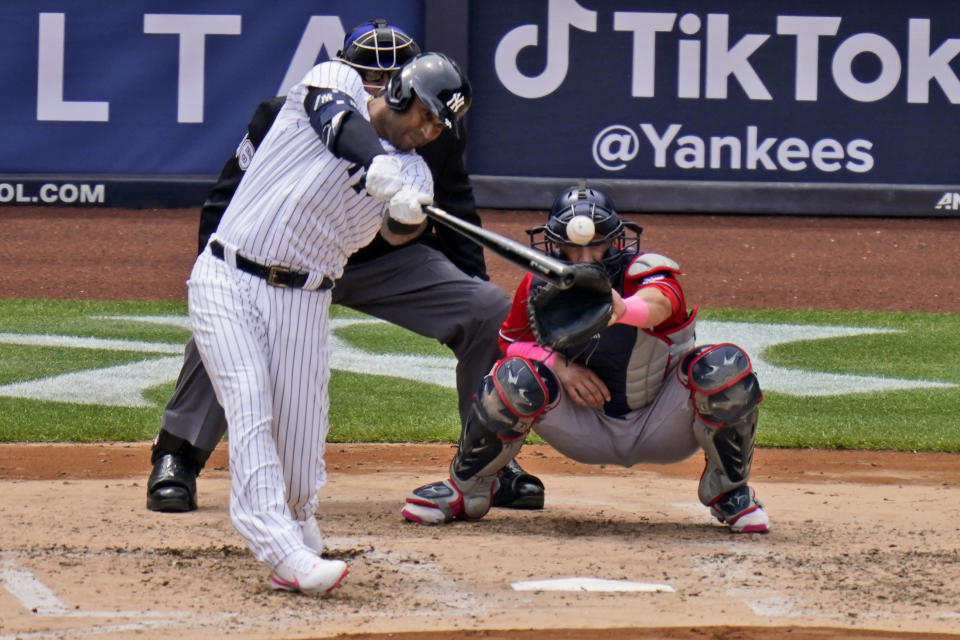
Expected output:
(436, 286)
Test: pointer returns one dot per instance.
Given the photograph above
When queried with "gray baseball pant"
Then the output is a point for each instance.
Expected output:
(660, 433)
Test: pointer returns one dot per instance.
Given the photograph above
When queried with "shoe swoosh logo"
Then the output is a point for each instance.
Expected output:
(287, 583)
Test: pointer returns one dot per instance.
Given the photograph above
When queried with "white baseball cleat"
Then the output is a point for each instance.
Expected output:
(754, 522)
(434, 503)
(311, 534)
(422, 514)
(741, 511)
(321, 578)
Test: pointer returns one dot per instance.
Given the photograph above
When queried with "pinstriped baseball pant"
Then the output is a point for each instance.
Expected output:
(267, 353)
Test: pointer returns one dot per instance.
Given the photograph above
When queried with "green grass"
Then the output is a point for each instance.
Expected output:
(80, 318)
(36, 421)
(899, 420)
(383, 408)
(920, 351)
(387, 337)
(27, 362)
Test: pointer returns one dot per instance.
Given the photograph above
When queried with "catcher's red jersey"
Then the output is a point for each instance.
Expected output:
(608, 355)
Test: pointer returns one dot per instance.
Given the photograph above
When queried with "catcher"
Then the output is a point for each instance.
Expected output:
(629, 387)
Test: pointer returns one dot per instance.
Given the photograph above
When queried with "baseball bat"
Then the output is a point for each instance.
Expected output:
(536, 262)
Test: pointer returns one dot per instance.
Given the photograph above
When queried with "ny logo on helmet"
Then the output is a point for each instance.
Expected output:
(456, 102)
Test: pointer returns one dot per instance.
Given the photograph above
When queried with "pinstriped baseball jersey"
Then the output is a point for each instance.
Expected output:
(266, 348)
(298, 204)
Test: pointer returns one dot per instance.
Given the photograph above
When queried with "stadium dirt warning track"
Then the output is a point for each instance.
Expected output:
(864, 546)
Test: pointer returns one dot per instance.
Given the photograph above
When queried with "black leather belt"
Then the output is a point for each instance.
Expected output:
(276, 276)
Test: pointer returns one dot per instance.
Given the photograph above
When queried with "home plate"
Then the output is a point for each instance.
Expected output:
(588, 584)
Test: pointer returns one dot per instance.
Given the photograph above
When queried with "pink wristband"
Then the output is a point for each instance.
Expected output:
(531, 350)
(637, 312)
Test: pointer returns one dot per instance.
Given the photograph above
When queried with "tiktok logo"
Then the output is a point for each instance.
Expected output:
(561, 15)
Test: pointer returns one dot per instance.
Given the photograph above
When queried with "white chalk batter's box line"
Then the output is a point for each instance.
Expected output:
(42, 602)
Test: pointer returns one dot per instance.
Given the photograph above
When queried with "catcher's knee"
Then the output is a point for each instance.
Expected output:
(515, 393)
(510, 399)
(723, 387)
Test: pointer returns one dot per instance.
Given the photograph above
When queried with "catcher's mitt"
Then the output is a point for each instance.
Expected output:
(565, 318)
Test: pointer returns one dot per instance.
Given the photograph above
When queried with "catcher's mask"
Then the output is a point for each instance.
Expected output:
(583, 201)
(437, 81)
(377, 49)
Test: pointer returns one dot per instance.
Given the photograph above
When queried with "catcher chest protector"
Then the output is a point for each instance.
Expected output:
(725, 394)
(510, 399)
(653, 355)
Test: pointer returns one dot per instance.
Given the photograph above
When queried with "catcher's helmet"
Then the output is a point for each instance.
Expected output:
(573, 195)
(595, 204)
(377, 46)
(437, 81)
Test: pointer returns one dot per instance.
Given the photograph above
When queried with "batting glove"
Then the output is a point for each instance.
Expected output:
(407, 206)
(383, 177)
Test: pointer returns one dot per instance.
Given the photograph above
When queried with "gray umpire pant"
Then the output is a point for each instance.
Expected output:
(414, 287)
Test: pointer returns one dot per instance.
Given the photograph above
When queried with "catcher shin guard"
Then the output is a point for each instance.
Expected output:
(725, 395)
(510, 399)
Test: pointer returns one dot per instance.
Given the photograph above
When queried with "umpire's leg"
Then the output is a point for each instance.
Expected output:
(193, 424)
(419, 289)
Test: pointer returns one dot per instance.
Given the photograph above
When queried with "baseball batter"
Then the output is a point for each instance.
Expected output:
(259, 294)
(436, 286)
(639, 391)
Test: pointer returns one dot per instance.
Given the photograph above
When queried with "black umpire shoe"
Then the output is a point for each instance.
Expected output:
(518, 489)
(172, 486)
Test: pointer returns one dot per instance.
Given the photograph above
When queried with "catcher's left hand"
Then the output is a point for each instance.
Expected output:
(564, 318)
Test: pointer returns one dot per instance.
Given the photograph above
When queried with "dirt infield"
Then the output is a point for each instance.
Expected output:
(865, 545)
(861, 544)
(776, 262)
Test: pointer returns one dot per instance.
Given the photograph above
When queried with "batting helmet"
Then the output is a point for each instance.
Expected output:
(437, 81)
(376, 46)
(596, 205)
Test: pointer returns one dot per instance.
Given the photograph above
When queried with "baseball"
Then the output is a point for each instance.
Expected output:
(580, 230)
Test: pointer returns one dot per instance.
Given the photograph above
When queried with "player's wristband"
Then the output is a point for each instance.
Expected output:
(402, 229)
(637, 313)
(531, 351)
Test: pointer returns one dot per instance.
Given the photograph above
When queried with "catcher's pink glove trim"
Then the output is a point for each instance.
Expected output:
(637, 313)
(532, 351)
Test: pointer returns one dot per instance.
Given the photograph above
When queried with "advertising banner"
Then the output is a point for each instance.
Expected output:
(756, 95)
(772, 106)
(156, 88)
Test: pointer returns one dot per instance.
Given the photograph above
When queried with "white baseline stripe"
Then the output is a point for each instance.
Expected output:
(39, 340)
